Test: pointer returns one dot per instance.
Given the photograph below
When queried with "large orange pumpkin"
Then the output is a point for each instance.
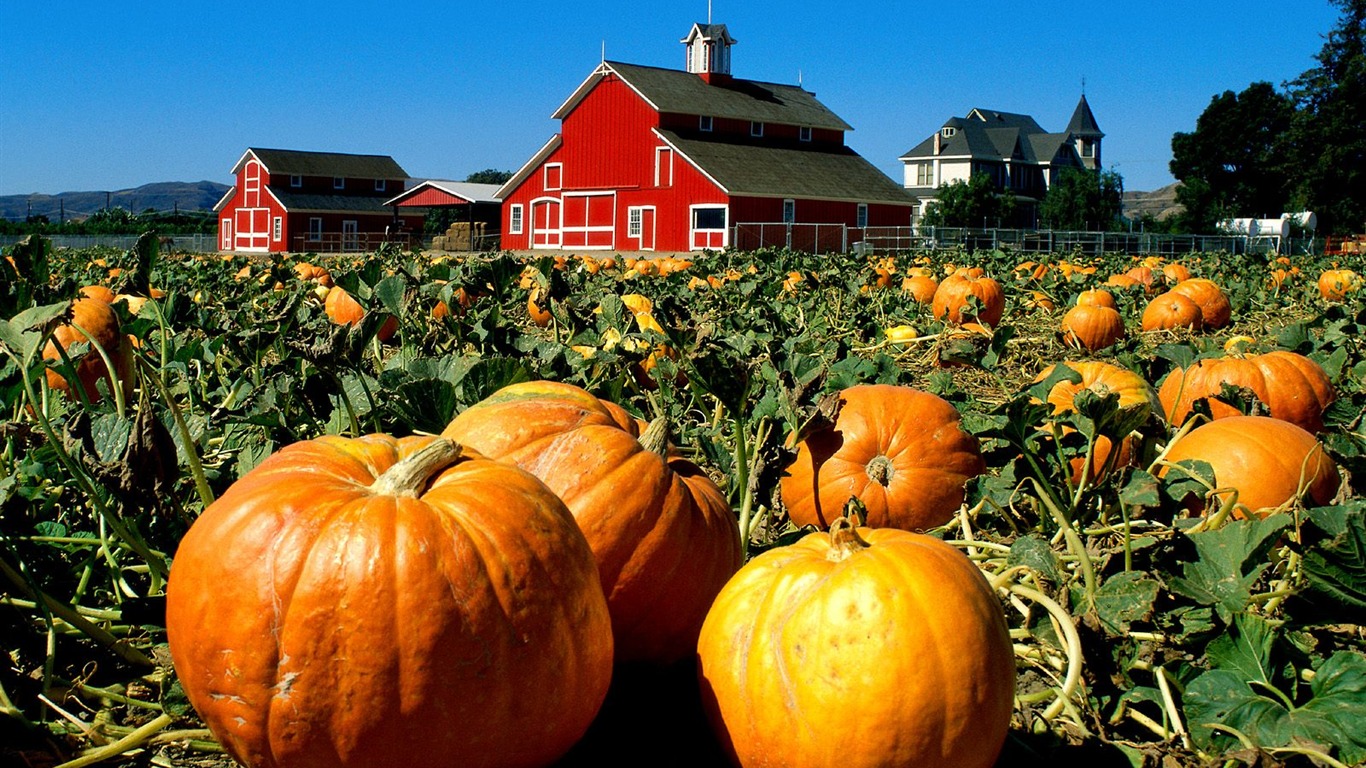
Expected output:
(1335, 284)
(858, 648)
(951, 298)
(1215, 309)
(1293, 387)
(1096, 297)
(99, 320)
(664, 535)
(921, 287)
(1100, 378)
(1268, 461)
(1171, 310)
(1092, 328)
(376, 601)
(899, 450)
(343, 309)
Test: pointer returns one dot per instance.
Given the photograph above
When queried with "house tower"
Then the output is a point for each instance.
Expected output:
(1085, 134)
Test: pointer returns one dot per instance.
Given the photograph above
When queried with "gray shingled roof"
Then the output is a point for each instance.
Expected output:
(678, 92)
(296, 202)
(762, 171)
(1083, 123)
(300, 163)
(995, 137)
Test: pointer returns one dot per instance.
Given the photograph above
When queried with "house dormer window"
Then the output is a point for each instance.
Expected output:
(804, 133)
(704, 123)
(948, 131)
(379, 185)
(338, 182)
(296, 181)
(756, 129)
(1088, 148)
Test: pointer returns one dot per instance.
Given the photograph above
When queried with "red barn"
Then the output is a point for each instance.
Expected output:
(659, 159)
(288, 200)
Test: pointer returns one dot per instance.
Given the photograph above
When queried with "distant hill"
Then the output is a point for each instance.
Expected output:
(1160, 203)
(186, 196)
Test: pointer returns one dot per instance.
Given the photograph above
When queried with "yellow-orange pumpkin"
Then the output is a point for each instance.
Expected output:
(921, 288)
(99, 320)
(352, 603)
(1096, 297)
(1101, 378)
(858, 648)
(1092, 328)
(899, 450)
(1170, 310)
(1293, 387)
(1215, 309)
(1335, 284)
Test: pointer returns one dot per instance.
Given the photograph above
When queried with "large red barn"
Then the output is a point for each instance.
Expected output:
(659, 159)
(290, 200)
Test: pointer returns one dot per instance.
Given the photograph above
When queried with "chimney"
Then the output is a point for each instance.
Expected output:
(937, 144)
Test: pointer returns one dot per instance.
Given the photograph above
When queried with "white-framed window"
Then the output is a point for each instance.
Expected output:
(315, 229)
(664, 167)
(861, 216)
(633, 219)
(948, 131)
(704, 123)
(756, 128)
(379, 185)
(789, 211)
(554, 176)
(296, 181)
(277, 228)
(924, 174)
(804, 133)
(515, 219)
(338, 182)
(709, 217)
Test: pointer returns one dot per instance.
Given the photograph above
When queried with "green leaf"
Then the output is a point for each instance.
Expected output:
(1123, 598)
(1334, 718)
(1033, 552)
(1142, 490)
(390, 293)
(1245, 648)
(1229, 562)
(1334, 565)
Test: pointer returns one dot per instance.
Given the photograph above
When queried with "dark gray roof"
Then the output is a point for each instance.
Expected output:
(296, 202)
(1083, 123)
(763, 171)
(299, 163)
(675, 91)
(994, 119)
(990, 134)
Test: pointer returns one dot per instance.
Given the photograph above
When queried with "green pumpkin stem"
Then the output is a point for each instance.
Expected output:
(655, 438)
(411, 475)
(844, 538)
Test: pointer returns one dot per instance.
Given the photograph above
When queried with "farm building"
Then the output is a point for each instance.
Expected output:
(1013, 150)
(289, 200)
(471, 210)
(659, 159)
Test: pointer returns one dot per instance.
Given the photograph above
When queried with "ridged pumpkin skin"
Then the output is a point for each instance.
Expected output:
(899, 450)
(1267, 460)
(1335, 284)
(664, 535)
(1091, 328)
(895, 656)
(950, 301)
(1170, 310)
(1101, 378)
(1294, 388)
(315, 623)
(1215, 309)
(1096, 297)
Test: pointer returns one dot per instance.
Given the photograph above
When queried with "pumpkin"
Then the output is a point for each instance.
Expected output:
(1122, 281)
(1092, 328)
(342, 309)
(1175, 273)
(921, 287)
(1102, 379)
(1214, 307)
(1293, 387)
(1039, 302)
(858, 648)
(898, 450)
(1170, 310)
(99, 293)
(1143, 275)
(1335, 284)
(1268, 462)
(536, 309)
(950, 302)
(1096, 297)
(382, 601)
(99, 320)
(663, 533)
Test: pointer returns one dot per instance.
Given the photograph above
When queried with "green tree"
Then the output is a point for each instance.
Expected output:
(488, 176)
(1235, 162)
(1084, 200)
(971, 203)
(1328, 136)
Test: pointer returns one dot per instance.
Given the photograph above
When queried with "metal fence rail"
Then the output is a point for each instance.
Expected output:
(201, 243)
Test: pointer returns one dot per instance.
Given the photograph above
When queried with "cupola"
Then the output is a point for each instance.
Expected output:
(708, 51)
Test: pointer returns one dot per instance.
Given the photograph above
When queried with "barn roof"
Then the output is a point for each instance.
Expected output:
(762, 171)
(295, 202)
(450, 192)
(300, 163)
(679, 92)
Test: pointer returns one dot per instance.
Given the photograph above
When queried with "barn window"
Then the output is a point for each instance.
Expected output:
(553, 174)
(515, 219)
(710, 217)
(277, 228)
(664, 167)
(633, 222)
(296, 181)
(315, 229)
(704, 123)
(861, 217)
(804, 133)
(379, 185)
(338, 182)
(756, 129)
(789, 211)
(226, 229)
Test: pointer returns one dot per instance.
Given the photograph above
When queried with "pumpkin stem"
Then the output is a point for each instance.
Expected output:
(881, 470)
(655, 438)
(409, 477)
(844, 539)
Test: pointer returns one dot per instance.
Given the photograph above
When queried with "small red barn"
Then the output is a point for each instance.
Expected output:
(289, 200)
(659, 159)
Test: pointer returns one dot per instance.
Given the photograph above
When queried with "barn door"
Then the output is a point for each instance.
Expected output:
(545, 223)
(588, 220)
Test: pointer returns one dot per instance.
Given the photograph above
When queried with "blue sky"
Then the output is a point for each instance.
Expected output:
(107, 96)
